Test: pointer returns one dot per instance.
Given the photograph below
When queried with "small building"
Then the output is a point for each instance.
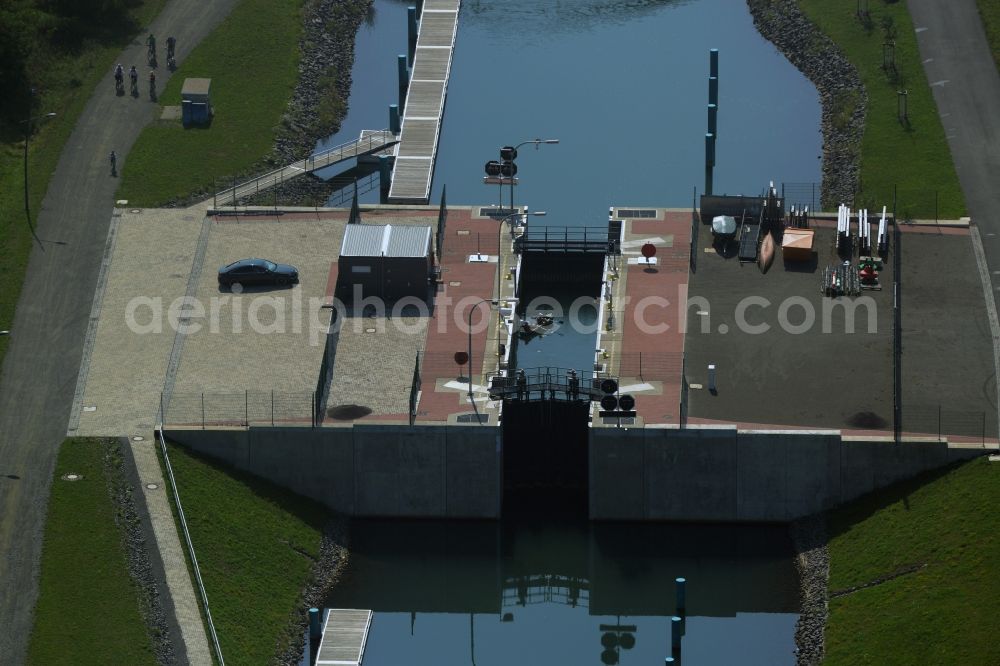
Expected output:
(385, 261)
(196, 102)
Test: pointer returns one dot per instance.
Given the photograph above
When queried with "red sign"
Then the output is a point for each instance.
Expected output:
(649, 250)
(461, 358)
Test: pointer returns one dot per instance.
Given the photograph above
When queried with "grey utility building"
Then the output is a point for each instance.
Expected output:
(385, 261)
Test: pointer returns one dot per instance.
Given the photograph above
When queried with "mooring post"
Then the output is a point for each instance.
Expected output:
(709, 161)
(713, 90)
(394, 118)
(411, 20)
(404, 80)
(675, 635)
(713, 118)
(681, 595)
(314, 624)
(713, 62)
(384, 176)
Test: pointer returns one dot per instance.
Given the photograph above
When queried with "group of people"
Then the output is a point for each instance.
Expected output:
(133, 74)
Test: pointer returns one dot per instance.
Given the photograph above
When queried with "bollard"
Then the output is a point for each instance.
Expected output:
(709, 161)
(411, 22)
(394, 118)
(384, 176)
(681, 595)
(675, 635)
(713, 62)
(669, 660)
(404, 81)
(711, 378)
(314, 624)
(713, 90)
(713, 119)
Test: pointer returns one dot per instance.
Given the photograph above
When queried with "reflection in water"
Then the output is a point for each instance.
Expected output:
(569, 592)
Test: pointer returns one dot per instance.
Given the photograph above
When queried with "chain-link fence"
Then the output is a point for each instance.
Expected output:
(240, 409)
(945, 423)
(909, 203)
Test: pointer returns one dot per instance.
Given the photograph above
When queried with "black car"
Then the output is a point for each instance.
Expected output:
(257, 271)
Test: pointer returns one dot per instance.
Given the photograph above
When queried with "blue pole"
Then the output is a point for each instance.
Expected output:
(713, 90)
(404, 80)
(411, 16)
(713, 118)
(394, 126)
(681, 595)
(384, 176)
(709, 161)
(675, 635)
(314, 626)
(713, 62)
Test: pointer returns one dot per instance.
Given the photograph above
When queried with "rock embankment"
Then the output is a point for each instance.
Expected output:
(812, 559)
(841, 92)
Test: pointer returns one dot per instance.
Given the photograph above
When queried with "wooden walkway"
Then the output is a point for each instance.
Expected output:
(368, 143)
(424, 111)
(344, 636)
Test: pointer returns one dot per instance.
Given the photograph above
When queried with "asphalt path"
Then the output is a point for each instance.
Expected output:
(39, 373)
(966, 86)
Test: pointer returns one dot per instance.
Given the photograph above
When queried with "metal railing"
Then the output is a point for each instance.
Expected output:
(567, 240)
(547, 382)
(190, 546)
(912, 203)
(948, 423)
(370, 143)
(242, 409)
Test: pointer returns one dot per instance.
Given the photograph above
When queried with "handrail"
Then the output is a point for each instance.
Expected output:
(190, 546)
(383, 136)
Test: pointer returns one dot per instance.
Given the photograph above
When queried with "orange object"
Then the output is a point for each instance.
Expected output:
(797, 244)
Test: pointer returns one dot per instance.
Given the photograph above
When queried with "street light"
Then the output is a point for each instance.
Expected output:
(27, 136)
(537, 213)
(513, 156)
(472, 309)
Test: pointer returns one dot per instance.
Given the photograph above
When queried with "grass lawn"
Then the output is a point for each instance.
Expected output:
(989, 10)
(64, 82)
(252, 59)
(915, 158)
(256, 545)
(88, 608)
(946, 611)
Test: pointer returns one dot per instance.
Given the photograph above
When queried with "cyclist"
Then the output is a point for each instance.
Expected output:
(133, 75)
(171, 43)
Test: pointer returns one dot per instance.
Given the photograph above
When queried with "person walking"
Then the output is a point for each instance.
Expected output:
(151, 48)
(114, 163)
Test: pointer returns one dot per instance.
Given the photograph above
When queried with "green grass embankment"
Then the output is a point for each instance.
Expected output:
(256, 546)
(252, 59)
(64, 79)
(989, 11)
(911, 156)
(939, 539)
(88, 606)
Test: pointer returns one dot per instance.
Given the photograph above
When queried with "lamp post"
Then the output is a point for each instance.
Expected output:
(27, 135)
(469, 330)
(509, 154)
(503, 220)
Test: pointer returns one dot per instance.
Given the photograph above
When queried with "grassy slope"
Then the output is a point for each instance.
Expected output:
(942, 614)
(256, 545)
(92, 618)
(252, 59)
(917, 160)
(65, 83)
(989, 10)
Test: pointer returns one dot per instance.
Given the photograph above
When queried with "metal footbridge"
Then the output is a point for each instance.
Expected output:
(369, 143)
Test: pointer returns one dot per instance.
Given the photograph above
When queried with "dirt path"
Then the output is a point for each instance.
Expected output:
(39, 372)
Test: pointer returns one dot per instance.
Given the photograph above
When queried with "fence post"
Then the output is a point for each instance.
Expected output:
(984, 430)
(939, 421)
(246, 407)
(161, 410)
(203, 410)
(272, 408)
(812, 199)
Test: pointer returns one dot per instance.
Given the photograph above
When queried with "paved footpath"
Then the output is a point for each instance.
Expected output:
(966, 86)
(39, 373)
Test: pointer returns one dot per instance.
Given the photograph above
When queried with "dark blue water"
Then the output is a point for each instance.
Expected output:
(547, 594)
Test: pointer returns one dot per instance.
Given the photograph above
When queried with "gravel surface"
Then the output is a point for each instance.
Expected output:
(841, 92)
(136, 552)
(812, 559)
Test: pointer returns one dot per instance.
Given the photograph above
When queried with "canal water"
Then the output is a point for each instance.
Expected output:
(551, 593)
(623, 85)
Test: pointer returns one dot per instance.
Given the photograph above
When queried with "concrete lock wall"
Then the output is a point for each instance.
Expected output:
(369, 470)
(721, 474)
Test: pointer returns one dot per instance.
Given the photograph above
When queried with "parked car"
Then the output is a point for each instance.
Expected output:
(257, 271)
